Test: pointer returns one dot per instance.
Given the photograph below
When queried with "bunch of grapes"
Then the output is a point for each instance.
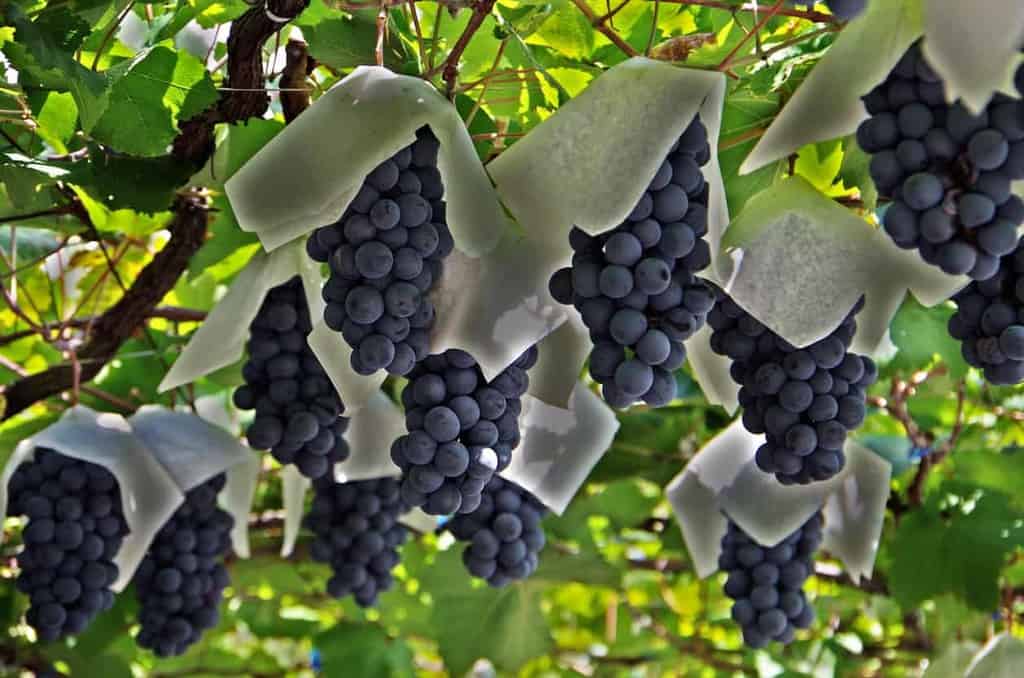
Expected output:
(298, 412)
(357, 534)
(504, 533)
(767, 583)
(804, 400)
(844, 10)
(947, 170)
(461, 429)
(989, 321)
(635, 286)
(74, 531)
(181, 580)
(385, 255)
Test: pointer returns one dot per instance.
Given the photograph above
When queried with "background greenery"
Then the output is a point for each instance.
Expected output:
(93, 158)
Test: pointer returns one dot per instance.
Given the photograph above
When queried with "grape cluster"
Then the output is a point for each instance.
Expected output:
(357, 534)
(74, 530)
(385, 254)
(504, 533)
(767, 583)
(635, 286)
(181, 580)
(461, 429)
(803, 400)
(989, 321)
(844, 10)
(948, 171)
(298, 412)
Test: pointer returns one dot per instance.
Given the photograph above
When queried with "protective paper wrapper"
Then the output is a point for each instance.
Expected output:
(953, 661)
(193, 450)
(497, 306)
(190, 449)
(560, 355)
(1001, 657)
(220, 339)
(589, 163)
(974, 46)
(488, 300)
(827, 257)
(827, 104)
(242, 477)
(711, 371)
(307, 175)
(798, 262)
(586, 165)
(560, 446)
(370, 433)
(724, 480)
(149, 493)
(293, 492)
(236, 498)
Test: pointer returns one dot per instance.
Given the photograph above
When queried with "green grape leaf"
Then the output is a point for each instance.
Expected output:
(148, 97)
(349, 649)
(921, 333)
(997, 469)
(42, 54)
(124, 221)
(965, 533)
(125, 182)
(56, 115)
(263, 617)
(745, 113)
(584, 567)
(855, 173)
(345, 42)
(505, 625)
(226, 238)
(567, 31)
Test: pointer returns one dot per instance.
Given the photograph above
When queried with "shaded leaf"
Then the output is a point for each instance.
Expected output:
(965, 533)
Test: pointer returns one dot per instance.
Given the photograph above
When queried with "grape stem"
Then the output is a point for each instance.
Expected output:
(771, 12)
(450, 67)
(809, 15)
(599, 24)
(119, 323)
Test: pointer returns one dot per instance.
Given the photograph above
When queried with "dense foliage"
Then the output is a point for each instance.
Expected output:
(111, 258)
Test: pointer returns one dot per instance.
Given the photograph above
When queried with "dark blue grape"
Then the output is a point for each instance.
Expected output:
(640, 278)
(461, 429)
(66, 565)
(961, 166)
(295, 403)
(356, 531)
(503, 534)
(769, 601)
(793, 395)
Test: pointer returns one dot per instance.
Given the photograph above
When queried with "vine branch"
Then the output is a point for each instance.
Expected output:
(450, 67)
(119, 322)
(809, 15)
(246, 97)
(599, 24)
(727, 61)
(172, 313)
(298, 66)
